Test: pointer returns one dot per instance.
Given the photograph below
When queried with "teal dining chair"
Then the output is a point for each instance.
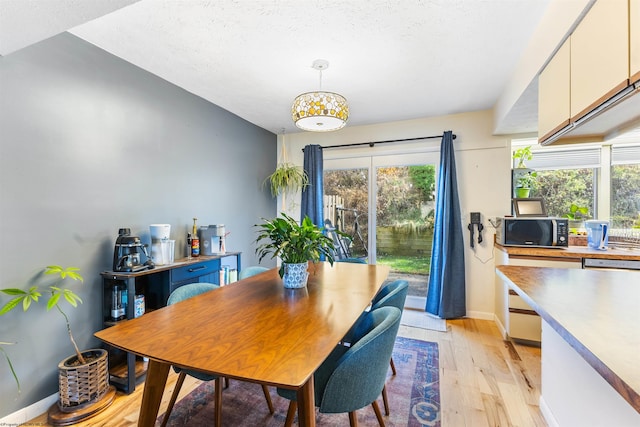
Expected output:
(352, 260)
(393, 294)
(180, 294)
(251, 271)
(353, 377)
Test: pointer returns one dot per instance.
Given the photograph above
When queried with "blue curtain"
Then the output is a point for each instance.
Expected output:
(446, 292)
(312, 193)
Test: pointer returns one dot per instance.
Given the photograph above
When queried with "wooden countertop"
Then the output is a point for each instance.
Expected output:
(595, 311)
(177, 264)
(572, 252)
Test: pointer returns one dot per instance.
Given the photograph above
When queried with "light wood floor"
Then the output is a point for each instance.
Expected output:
(484, 381)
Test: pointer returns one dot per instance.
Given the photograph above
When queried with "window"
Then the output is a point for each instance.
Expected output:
(565, 176)
(603, 177)
(625, 185)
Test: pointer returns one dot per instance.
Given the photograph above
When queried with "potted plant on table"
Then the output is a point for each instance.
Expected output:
(522, 154)
(524, 183)
(577, 215)
(83, 378)
(295, 244)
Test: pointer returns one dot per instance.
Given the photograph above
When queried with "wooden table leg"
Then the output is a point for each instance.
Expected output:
(306, 404)
(154, 384)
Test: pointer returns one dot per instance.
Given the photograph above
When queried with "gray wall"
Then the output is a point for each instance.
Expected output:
(89, 144)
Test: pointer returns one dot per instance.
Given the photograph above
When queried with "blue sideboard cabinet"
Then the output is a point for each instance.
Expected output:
(153, 287)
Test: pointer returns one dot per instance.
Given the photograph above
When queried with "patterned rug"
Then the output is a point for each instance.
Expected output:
(414, 397)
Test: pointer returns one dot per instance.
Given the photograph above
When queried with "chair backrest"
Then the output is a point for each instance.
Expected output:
(352, 260)
(251, 271)
(394, 294)
(190, 290)
(356, 378)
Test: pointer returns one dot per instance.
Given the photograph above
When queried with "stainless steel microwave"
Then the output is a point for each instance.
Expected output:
(542, 232)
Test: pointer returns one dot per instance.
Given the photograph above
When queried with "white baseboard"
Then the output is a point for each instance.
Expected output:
(481, 315)
(23, 415)
(418, 303)
(501, 327)
(546, 414)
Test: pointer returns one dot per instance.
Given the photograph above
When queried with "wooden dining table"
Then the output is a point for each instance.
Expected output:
(252, 330)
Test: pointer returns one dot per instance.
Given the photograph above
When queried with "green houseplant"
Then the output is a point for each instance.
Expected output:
(524, 183)
(522, 154)
(6, 356)
(83, 378)
(287, 178)
(577, 215)
(295, 244)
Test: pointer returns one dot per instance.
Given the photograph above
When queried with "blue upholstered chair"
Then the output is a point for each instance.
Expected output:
(392, 294)
(180, 294)
(353, 377)
(251, 271)
(352, 260)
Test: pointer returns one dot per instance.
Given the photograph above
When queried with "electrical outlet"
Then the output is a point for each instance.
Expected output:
(475, 218)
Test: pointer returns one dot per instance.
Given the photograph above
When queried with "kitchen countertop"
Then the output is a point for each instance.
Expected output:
(572, 252)
(595, 311)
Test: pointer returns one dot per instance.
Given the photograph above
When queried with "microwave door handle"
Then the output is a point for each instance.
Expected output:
(554, 233)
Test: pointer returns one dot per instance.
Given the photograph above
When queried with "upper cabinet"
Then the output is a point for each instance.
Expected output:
(603, 58)
(634, 38)
(599, 55)
(554, 97)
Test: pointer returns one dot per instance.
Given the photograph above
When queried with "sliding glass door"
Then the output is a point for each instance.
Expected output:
(385, 206)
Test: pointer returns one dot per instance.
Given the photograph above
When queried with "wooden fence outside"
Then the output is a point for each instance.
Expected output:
(330, 203)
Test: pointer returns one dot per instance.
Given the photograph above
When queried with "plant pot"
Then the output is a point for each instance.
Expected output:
(522, 193)
(81, 385)
(577, 227)
(295, 275)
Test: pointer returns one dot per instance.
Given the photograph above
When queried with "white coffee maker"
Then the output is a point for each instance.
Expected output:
(162, 249)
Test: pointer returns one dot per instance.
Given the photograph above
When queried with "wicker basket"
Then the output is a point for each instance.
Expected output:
(83, 385)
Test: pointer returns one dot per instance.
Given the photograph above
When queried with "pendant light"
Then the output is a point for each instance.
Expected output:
(320, 111)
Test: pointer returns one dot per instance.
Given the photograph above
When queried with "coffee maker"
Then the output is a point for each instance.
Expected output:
(126, 254)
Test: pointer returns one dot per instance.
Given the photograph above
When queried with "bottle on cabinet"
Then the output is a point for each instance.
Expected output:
(118, 302)
(195, 240)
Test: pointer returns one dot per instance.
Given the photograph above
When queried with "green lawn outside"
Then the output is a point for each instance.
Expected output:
(404, 264)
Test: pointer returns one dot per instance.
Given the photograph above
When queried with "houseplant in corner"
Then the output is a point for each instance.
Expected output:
(287, 177)
(524, 183)
(296, 244)
(522, 154)
(577, 215)
(83, 378)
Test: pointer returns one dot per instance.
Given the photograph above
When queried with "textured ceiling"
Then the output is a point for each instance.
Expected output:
(392, 60)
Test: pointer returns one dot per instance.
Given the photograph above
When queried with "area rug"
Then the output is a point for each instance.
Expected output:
(414, 397)
(424, 320)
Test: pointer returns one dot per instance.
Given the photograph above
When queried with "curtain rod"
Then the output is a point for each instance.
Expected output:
(372, 143)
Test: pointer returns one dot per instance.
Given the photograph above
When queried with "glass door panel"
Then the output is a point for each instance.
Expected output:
(385, 204)
(404, 222)
(346, 208)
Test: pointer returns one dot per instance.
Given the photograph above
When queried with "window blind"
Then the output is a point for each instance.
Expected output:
(625, 154)
(565, 159)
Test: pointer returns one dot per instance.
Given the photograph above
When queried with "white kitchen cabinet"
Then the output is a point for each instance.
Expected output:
(514, 317)
(554, 96)
(599, 55)
(634, 37)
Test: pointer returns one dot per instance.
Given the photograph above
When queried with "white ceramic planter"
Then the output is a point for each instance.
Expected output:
(295, 275)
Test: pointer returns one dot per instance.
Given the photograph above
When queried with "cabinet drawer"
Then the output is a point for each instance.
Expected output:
(525, 327)
(515, 301)
(192, 271)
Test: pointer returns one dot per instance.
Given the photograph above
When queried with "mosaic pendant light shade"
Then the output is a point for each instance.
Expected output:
(320, 111)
